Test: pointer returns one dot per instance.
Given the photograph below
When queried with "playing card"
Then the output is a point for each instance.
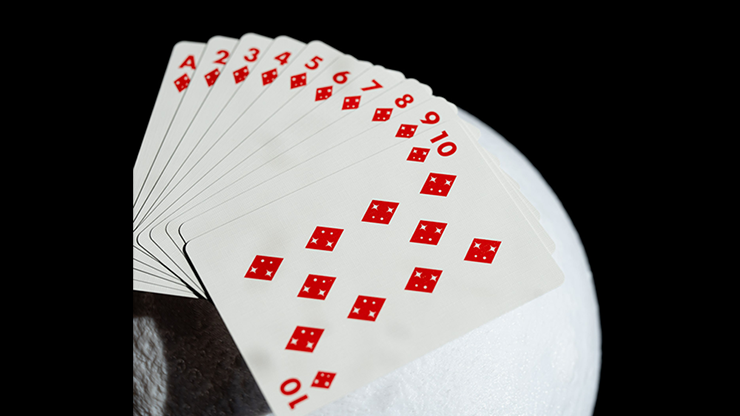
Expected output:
(308, 162)
(148, 279)
(323, 154)
(475, 133)
(214, 57)
(248, 51)
(529, 212)
(273, 136)
(201, 106)
(176, 79)
(156, 287)
(144, 272)
(180, 69)
(353, 121)
(210, 148)
(252, 88)
(318, 126)
(217, 53)
(446, 251)
(249, 90)
(294, 109)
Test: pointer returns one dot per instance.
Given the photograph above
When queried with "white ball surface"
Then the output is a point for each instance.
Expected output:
(542, 358)
(150, 374)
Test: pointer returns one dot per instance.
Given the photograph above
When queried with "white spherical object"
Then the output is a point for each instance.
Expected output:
(542, 358)
(150, 373)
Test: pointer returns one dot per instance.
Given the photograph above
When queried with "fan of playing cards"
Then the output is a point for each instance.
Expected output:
(342, 219)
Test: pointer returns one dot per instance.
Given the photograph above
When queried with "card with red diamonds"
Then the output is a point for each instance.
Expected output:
(355, 275)
(226, 98)
(203, 101)
(190, 88)
(211, 126)
(213, 59)
(147, 272)
(236, 142)
(318, 157)
(316, 133)
(302, 117)
(176, 78)
(312, 159)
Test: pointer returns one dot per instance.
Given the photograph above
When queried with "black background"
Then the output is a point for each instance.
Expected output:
(566, 94)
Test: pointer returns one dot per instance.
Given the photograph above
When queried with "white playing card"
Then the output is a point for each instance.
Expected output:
(277, 57)
(475, 133)
(318, 129)
(180, 68)
(205, 98)
(472, 248)
(259, 107)
(308, 162)
(216, 54)
(142, 284)
(323, 154)
(247, 53)
(213, 59)
(264, 139)
(148, 279)
(250, 88)
(353, 121)
(524, 205)
(292, 108)
(153, 271)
